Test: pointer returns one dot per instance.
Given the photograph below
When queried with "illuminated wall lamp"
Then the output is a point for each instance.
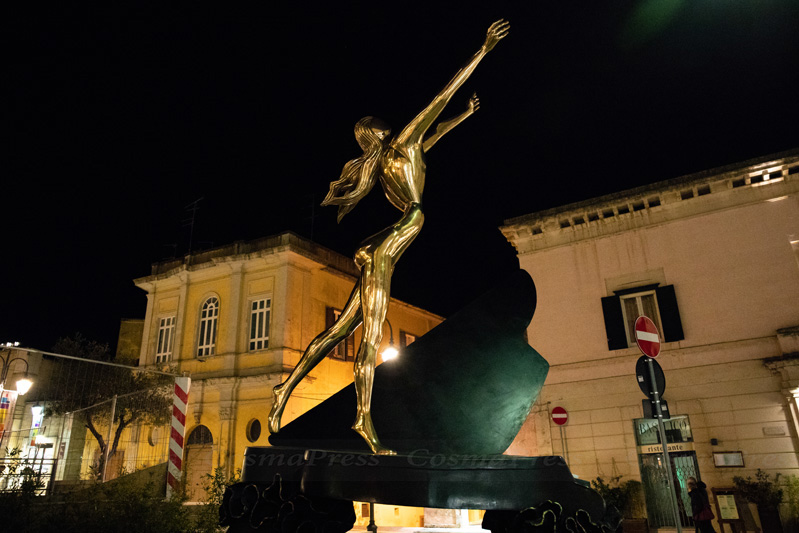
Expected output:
(24, 384)
(390, 352)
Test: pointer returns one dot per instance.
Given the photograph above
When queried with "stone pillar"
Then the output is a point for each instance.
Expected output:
(180, 326)
(228, 389)
(229, 345)
(148, 328)
(787, 367)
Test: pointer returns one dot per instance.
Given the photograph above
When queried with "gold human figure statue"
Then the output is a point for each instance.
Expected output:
(398, 162)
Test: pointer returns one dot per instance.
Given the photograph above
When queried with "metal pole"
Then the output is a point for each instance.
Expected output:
(664, 443)
(372, 526)
(108, 439)
(563, 445)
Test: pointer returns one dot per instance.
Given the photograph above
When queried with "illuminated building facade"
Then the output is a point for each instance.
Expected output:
(713, 259)
(237, 319)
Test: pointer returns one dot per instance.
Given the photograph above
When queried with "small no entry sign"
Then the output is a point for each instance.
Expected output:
(647, 336)
(560, 416)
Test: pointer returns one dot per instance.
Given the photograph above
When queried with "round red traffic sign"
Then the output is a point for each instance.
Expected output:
(560, 416)
(647, 336)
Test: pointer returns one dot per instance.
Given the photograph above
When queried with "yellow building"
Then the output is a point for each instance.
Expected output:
(237, 320)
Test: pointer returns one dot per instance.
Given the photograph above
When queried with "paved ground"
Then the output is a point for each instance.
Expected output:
(390, 529)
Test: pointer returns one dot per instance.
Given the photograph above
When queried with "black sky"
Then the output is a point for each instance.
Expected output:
(122, 116)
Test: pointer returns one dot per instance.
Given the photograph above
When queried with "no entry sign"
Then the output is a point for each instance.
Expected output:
(647, 336)
(560, 416)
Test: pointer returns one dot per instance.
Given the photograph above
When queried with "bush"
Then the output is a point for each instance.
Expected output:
(127, 504)
(207, 519)
(626, 496)
(761, 491)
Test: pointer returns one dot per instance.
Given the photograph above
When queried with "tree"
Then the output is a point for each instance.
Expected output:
(86, 388)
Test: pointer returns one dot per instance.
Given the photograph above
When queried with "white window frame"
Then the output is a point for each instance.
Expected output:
(166, 339)
(340, 351)
(260, 321)
(346, 349)
(629, 322)
(207, 327)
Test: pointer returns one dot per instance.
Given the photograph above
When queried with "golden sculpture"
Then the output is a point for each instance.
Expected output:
(399, 164)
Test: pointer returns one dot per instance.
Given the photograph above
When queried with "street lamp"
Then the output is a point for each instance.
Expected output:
(24, 384)
(390, 352)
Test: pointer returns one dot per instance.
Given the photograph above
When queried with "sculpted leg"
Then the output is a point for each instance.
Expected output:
(375, 288)
(319, 348)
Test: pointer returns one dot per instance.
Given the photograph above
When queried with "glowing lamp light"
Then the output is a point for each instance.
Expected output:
(23, 386)
(390, 353)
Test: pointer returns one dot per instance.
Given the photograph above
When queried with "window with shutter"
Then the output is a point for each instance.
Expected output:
(657, 303)
(345, 351)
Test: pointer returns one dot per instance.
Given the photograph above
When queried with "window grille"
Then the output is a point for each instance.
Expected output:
(260, 314)
(166, 338)
(206, 344)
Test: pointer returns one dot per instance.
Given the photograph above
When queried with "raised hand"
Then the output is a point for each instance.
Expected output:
(474, 103)
(496, 32)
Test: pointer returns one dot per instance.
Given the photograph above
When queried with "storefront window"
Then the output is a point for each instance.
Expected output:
(678, 429)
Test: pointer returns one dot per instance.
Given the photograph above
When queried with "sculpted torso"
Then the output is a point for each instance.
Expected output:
(402, 173)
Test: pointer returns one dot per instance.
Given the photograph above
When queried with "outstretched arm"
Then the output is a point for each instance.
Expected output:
(444, 127)
(414, 132)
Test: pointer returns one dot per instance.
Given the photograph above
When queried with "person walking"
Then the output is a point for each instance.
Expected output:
(700, 506)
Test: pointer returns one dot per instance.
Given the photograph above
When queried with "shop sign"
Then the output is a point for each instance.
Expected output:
(672, 447)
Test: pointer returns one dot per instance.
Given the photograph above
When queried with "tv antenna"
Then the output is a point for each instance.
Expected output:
(189, 221)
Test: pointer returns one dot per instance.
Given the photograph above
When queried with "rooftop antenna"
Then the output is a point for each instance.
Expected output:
(191, 208)
(314, 215)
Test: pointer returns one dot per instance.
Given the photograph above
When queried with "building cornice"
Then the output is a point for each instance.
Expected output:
(240, 253)
(765, 179)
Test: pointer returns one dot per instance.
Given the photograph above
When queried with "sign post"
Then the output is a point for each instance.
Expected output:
(648, 340)
(560, 417)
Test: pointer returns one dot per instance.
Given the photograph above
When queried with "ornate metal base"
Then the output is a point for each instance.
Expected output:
(291, 490)
(549, 517)
(253, 507)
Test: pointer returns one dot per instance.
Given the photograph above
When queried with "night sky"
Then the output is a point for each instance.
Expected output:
(122, 116)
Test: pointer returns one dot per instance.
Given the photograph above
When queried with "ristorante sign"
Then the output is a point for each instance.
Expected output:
(672, 447)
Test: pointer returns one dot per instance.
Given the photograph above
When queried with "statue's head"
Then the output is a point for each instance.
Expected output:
(380, 128)
(360, 174)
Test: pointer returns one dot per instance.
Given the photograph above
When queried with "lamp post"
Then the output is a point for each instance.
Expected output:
(24, 384)
(372, 527)
(388, 354)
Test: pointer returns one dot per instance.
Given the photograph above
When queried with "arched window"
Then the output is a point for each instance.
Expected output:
(200, 435)
(206, 343)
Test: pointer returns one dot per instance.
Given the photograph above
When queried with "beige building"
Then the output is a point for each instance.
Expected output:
(713, 259)
(238, 319)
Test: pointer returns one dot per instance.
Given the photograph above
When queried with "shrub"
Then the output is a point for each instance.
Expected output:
(626, 496)
(761, 491)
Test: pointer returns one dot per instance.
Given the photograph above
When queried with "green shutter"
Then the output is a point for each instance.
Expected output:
(669, 314)
(614, 323)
